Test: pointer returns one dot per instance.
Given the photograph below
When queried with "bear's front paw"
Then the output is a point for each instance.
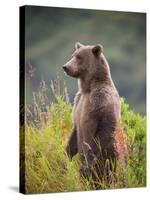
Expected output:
(85, 171)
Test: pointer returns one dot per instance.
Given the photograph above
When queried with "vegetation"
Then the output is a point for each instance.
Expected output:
(48, 169)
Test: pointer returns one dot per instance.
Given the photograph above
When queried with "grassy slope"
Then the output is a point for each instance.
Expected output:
(45, 153)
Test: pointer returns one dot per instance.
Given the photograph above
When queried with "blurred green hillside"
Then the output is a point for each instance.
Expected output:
(51, 34)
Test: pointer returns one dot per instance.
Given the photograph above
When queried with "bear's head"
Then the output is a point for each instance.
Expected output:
(84, 61)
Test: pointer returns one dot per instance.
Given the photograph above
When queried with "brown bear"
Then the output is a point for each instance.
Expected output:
(96, 111)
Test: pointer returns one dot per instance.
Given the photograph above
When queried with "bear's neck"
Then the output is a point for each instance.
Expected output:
(96, 80)
(86, 86)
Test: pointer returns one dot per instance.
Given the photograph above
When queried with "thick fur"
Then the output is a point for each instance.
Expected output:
(96, 110)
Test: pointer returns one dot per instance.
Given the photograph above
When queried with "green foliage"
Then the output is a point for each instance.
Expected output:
(135, 132)
(48, 169)
(46, 161)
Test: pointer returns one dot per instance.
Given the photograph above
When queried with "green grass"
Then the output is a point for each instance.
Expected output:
(47, 168)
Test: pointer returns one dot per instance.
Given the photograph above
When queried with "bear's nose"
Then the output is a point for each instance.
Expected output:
(65, 67)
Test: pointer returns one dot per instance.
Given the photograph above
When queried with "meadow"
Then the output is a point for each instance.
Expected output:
(47, 127)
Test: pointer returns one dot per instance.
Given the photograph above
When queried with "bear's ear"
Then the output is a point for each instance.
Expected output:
(97, 50)
(78, 45)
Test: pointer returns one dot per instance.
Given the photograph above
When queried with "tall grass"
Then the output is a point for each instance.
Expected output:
(48, 169)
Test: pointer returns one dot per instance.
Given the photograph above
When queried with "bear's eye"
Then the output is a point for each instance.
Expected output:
(78, 57)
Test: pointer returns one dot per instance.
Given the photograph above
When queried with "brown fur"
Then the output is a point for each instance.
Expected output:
(96, 109)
